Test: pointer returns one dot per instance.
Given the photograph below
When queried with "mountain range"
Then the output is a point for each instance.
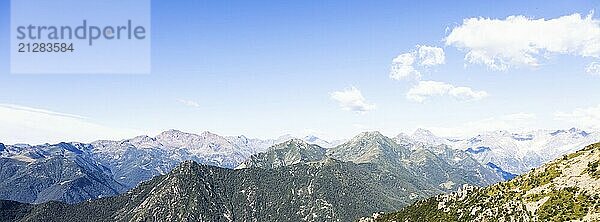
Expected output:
(566, 189)
(512, 153)
(75, 172)
(291, 181)
(440, 165)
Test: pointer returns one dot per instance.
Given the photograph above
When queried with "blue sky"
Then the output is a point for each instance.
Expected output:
(266, 68)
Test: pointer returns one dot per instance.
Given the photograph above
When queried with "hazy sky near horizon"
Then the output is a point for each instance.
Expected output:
(328, 68)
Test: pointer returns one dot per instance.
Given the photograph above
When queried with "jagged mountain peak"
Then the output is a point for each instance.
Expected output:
(69, 147)
(369, 135)
(366, 147)
(295, 141)
(427, 137)
(142, 139)
(295, 144)
(422, 132)
(311, 138)
(373, 139)
(173, 133)
(205, 142)
(242, 138)
(290, 152)
(573, 131)
(578, 131)
(208, 134)
(402, 135)
(403, 138)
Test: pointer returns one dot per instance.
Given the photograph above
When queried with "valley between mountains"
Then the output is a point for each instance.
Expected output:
(178, 176)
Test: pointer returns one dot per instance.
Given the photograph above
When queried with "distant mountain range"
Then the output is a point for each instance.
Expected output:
(74, 172)
(566, 189)
(513, 153)
(291, 181)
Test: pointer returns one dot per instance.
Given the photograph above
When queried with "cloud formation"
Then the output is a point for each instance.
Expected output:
(582, 117)
(516, 41)
(431, 56)
(352, 100)
(403, 66)
(426, 89)
(593, 68)
(189, 103)
(20, 124)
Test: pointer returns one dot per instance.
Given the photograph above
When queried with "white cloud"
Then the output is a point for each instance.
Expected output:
(431, 56)
(189, 103)
(20, 124)
(519, 41)
(41, 111)
(593, 68)
(583, 117)
(511, 122)
(403, 66)
(352, 100)
(426, 89)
